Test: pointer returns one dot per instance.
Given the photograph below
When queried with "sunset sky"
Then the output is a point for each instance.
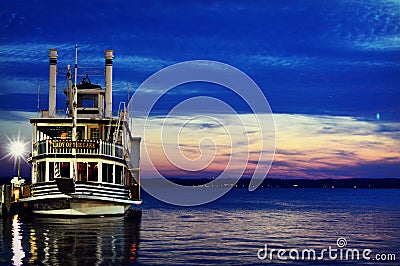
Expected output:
(329, 69)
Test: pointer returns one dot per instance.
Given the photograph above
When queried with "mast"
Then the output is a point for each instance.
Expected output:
(75, 100)
(75, 112)
(70, 98)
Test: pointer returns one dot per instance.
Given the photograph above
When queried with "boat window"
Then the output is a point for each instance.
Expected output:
(94, 133)
(107, 173)
(64, 169)
(59, 132)
(118, 174)
(55, 169)
(80, 132)
(41, 171)
(87, 101)
(92, 171)
(109, 132)
(42, 148)
(52, 170)
(82, 172)
(47, 132)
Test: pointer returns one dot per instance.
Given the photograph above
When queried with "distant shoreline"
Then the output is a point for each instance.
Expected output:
(295, 183)
(278, 183)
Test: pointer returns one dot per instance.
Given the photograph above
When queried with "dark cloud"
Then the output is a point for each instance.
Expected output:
(374, 169)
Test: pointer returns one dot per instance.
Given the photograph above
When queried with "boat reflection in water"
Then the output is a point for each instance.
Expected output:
(59, 241)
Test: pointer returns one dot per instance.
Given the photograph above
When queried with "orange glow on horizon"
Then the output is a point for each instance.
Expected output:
(306, 147)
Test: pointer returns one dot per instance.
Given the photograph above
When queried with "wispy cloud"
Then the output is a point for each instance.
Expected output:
(37, 52)
(320, 62)
(381, 43)
(280, 61)
(304, 143)
(305, 146)
(142, 63)
(88, 55)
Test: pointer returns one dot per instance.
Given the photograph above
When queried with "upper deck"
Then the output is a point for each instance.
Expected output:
(95, 137)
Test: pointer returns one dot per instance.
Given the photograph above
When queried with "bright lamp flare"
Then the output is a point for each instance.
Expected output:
(17, 148)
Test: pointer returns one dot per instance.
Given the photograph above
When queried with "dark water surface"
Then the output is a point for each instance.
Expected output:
(228, 231)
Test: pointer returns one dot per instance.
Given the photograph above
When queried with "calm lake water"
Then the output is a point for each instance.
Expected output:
(230, 231)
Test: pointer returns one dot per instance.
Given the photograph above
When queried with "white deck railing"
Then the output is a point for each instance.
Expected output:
(82, 146)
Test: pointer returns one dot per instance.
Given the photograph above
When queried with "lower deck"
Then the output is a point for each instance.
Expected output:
(71, 206)
(103, 190)
(86, 200)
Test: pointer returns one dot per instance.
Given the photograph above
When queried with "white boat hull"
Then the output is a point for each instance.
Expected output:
(86, 201)
(69, 206)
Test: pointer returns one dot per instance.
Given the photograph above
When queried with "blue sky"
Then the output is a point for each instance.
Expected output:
(313, 59)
